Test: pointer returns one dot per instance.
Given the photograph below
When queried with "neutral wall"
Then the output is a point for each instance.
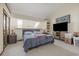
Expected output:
(19, 33)
(26, 24)
(73, 10)
(13, 23)
(1, 24)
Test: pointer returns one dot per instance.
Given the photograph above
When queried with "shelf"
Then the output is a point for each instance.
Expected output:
(48, 26)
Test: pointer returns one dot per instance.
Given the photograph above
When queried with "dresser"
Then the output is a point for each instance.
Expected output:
(12, 38)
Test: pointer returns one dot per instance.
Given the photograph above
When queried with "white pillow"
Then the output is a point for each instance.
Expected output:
(27, 33)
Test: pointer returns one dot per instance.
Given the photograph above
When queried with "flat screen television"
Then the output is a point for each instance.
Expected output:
(60, 26)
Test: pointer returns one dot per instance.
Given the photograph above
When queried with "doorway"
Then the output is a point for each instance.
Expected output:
(6, 28)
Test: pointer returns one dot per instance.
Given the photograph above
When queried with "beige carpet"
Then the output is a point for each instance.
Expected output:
(45, 50)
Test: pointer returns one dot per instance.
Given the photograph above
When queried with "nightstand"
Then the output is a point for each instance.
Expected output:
(12, 39)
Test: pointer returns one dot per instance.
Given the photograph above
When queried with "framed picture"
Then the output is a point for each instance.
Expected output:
(63, 19)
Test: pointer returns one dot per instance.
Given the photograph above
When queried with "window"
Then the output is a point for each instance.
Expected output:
(19, 23)
(36, 24)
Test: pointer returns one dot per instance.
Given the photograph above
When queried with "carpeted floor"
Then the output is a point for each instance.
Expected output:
(45, 50)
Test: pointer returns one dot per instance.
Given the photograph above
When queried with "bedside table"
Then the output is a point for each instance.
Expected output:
(12, 39)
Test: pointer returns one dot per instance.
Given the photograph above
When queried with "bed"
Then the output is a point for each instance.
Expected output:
(35, 39)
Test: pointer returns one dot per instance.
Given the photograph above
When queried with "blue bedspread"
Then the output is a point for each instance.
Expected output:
(33, 42)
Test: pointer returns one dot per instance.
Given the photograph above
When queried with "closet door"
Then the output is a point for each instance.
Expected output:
(8, 29)
(4, 30)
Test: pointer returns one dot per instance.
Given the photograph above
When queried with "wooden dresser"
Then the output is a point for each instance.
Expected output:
(12, 39)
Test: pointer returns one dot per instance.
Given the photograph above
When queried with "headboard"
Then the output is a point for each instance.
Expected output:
(31, 30)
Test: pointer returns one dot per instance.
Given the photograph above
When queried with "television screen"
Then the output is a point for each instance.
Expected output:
(60, 27)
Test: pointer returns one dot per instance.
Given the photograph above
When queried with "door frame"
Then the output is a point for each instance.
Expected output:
(7, 27)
